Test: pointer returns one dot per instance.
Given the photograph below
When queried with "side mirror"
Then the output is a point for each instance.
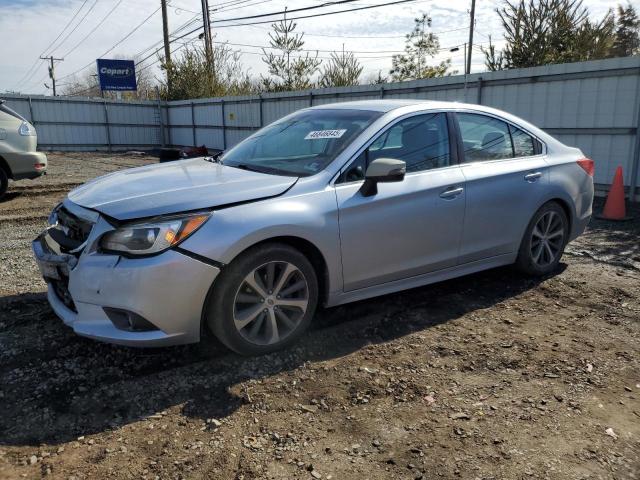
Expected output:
(382, 170)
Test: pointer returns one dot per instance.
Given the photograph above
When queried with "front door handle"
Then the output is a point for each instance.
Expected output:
(532, 177)
(452, 192)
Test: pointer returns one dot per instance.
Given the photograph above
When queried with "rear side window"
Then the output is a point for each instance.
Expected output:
(8, 111)
(484, 138)
(524, 145)
(487, 138)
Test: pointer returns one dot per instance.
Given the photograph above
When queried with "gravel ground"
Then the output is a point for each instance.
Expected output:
(489, 376)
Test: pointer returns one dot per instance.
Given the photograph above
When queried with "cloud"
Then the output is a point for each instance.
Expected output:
(27, 27)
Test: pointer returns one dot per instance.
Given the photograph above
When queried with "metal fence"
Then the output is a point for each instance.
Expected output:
(592, 105)
(69, 123)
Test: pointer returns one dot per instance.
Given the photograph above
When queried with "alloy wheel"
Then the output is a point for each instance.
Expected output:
(547, 239)
(270, 303)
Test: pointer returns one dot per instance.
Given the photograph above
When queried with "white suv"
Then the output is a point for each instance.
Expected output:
(18, 156)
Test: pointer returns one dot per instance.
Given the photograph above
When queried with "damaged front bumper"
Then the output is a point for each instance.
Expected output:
(167, 291)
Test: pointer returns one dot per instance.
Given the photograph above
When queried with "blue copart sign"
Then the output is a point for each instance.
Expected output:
(116, 74)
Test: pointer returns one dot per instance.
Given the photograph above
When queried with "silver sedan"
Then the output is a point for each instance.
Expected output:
(328, 205)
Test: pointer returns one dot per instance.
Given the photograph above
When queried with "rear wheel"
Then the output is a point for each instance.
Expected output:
(264, 300)
(4, 182)
(544, 240)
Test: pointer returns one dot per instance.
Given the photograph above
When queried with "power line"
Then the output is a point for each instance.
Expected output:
(298, 18)
(365, 37)
(27, 75)
(308, 16)
(302, 9)
(95, 29)
(117, 43)
(271, 21)
(236, 7)
(76, 27)
(375, 57)
(187, 24)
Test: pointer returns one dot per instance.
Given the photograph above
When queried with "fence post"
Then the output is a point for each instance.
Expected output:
(310, 98)
(479, 102)
(193, 124)
(224, 126)
(160, 119)
(260, 106)
(381, 92)
(106, 124)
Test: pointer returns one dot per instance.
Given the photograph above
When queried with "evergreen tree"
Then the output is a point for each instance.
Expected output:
(288, 71)
(627, 41)
(343, 70)
(541, 32)
(419, 47)
(192, 76)
(376, 79)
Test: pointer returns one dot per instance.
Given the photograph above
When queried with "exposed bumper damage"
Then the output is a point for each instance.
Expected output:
(152, 301)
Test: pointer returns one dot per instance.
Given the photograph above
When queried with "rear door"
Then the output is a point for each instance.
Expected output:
(410, 227)
(506, 176)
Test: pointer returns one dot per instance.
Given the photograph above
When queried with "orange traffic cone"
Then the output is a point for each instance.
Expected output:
(614, 207)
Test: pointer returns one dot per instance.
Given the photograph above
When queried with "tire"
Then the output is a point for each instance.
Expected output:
(4, 182)
(242, 310)
(543, 243)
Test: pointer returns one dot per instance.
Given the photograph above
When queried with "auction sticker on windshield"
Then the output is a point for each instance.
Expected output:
(317, 134)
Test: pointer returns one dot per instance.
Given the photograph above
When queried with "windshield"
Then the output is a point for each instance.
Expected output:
(301, 144)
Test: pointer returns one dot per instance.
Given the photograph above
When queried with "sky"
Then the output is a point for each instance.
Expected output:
(33, 28)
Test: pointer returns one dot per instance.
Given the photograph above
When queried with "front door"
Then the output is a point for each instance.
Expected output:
(408, 228)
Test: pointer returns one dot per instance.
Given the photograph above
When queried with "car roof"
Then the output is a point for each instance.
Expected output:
(415, 105)
(386, 105)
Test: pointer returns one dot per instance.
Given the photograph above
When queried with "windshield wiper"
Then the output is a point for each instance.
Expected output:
(215, 158)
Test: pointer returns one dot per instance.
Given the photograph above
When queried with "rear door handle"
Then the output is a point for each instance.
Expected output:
(532, 177)
(451, 192)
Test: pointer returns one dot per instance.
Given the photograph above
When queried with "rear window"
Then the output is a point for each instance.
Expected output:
(8, 111)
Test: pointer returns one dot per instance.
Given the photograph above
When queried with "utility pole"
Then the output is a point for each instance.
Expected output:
(473, 21)
(165, 34)
(52, 71)
(207, 29)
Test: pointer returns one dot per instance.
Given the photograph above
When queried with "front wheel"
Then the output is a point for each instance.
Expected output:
(544, 241)
(264, 300)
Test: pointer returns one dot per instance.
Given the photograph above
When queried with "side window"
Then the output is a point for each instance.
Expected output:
(524, 145)
(484, 138)
(421, 141)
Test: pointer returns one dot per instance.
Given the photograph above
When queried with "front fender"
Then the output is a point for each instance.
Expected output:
(310, 216)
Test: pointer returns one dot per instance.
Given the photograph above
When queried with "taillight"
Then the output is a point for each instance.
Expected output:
(39, 166)
(587, 165)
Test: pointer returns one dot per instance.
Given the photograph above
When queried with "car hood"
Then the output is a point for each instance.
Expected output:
(175, 187)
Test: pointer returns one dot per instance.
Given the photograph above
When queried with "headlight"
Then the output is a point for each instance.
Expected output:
(53, 216)
(153, 236)
(27, 130)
